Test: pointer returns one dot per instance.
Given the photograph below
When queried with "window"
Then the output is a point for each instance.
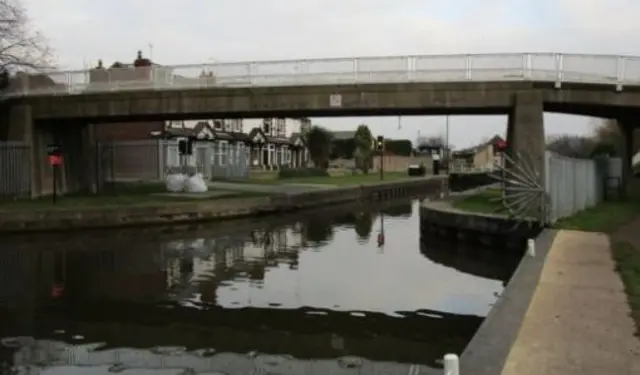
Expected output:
(266, 126)
(217, 124)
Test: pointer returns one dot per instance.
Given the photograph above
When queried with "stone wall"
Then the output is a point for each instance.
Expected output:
(467, 181)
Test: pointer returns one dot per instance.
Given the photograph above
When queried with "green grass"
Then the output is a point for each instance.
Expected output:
(341, 180)
(483, 202)
(118, 195)
(606, 217)
(627, 260)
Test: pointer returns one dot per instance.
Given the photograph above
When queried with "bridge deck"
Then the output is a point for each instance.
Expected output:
(578, 321)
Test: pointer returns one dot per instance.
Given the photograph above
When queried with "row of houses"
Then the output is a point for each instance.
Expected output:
(221, 148)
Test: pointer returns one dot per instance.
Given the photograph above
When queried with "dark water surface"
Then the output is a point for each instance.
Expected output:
(312, 294)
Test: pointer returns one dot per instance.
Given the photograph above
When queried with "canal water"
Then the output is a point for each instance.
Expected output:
(313, 294)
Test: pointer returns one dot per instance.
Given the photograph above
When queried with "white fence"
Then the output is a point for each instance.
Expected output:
(15, 170)
(573, 184)
(551, 67)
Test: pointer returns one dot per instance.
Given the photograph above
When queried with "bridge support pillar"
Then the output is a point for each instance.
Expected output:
(525, 135)
(627, 126)
(77, 141)
(21, 128)
(526, 162)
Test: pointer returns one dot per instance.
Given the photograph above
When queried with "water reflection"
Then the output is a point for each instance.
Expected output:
(315, 288)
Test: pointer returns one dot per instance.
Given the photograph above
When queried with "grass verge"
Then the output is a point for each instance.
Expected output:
(483, 202)
(120, 195)
(606, 217)
(627, 259)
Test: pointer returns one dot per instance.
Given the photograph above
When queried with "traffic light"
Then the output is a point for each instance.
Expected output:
(380, 143)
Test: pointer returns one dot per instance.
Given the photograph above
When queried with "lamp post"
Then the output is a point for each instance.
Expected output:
(446, 143)
(380, 147)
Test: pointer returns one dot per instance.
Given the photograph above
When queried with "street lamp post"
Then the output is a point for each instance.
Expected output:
(446, 143)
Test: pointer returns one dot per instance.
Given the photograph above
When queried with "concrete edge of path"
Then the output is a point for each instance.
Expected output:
(489, 348)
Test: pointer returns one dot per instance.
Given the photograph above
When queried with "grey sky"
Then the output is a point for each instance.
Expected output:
(201, 31)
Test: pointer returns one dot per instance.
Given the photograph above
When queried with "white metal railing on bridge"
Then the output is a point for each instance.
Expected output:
(550, 67)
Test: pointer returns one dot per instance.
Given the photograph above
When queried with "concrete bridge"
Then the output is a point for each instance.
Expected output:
(61, 105)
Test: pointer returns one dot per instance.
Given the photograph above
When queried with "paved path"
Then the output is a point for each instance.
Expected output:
(578, 321)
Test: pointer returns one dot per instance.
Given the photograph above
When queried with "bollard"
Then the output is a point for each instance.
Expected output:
(531, 247)
(451, 365)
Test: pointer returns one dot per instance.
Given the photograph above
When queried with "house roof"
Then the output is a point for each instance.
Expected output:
(269, 139)
(229, 136)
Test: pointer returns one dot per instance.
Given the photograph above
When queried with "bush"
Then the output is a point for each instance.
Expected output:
(302, 172)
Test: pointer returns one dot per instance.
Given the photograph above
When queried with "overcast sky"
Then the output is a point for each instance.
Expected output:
(201, 31)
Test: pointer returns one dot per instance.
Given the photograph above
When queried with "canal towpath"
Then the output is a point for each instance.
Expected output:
(578, 321)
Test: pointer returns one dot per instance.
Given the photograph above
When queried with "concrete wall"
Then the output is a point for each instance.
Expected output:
(466, 181)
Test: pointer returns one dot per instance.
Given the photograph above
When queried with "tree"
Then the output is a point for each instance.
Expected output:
(319, 144)
(608, 137)
(363, 224)
(364, 148)
(431, 142)
(21, 47)
(572, 146)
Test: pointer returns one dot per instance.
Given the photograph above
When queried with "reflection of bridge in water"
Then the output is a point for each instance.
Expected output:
(416, 337)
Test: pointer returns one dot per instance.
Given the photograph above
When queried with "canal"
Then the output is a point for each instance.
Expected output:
(311, 294)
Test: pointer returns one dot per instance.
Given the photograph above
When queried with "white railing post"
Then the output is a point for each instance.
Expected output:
(355, 69)
(451, 365)
(620, 72)
(559, 67)
(468, 66)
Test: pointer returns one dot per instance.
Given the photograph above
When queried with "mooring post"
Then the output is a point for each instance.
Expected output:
(531, 247)
(451, 365)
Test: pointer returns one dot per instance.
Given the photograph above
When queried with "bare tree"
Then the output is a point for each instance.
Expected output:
(573, 146)
(433, 141)
(22, 48)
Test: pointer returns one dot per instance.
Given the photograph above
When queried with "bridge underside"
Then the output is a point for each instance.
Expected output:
(64, 119)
